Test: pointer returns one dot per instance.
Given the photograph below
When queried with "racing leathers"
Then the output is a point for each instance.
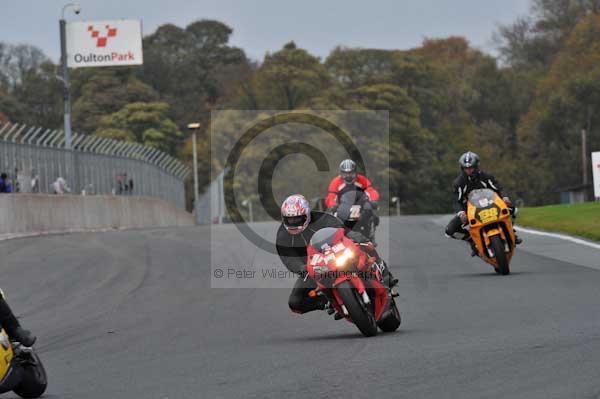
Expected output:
(11, 325)
(338, 186)
(462, 186)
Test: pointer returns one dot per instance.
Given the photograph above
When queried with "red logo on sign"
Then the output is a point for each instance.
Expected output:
(102, 40)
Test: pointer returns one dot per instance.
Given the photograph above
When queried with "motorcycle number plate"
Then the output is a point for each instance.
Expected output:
(488, 215)
(355, 212)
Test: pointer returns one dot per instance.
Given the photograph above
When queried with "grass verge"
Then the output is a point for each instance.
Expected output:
(578, 219)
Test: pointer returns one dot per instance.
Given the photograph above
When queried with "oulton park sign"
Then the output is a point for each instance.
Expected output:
(104, 43)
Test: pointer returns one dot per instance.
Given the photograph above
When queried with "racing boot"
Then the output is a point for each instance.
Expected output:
(474, 250)
(518, 240)
(25, 337)
(388, 279)
(14, 330)
(331, 311)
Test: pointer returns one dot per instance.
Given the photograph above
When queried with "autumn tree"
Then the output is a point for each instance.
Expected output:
(145, 123)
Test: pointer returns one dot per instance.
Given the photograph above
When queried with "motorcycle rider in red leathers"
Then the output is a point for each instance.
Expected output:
(345, 180)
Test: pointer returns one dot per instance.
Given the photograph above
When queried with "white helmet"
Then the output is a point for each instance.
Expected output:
(295, 213)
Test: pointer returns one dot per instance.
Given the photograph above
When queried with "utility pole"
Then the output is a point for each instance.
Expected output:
(584, 151)
(584, 160)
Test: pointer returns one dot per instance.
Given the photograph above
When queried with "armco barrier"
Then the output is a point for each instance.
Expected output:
(37, 214)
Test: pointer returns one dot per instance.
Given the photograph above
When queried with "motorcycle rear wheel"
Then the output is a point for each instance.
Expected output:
(498, 248)
(358, 311)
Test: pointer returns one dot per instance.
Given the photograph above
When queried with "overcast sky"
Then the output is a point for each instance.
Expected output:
(261, 26)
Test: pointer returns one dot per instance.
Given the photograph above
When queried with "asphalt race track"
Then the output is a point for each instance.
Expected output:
(132, 315)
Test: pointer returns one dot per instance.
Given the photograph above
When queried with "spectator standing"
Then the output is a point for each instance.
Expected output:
(5, 186)
(125, 185)
(35, 182)
(60, 186)
(119, 184)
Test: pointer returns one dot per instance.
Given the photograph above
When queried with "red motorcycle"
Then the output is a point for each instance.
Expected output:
(351, 280)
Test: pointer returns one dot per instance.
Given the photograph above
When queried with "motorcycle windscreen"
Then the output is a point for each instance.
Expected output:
(347, 211)
(326, 238)
(482, 198)
(351, 197)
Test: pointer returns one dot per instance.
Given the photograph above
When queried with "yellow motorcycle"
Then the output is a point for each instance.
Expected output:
(21, 369)
(491, 229)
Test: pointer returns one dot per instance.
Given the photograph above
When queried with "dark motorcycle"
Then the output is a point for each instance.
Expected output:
(357, 212)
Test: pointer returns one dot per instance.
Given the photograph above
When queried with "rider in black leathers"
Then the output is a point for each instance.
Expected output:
(471, 178)
(12, 326)
(293, 236)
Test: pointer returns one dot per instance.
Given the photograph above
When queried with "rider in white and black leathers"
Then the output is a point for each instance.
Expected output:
(471, 178)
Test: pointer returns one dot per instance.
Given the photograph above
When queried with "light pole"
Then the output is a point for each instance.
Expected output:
(65, 71)
(72, 158)
(396, 200)
(194, 127)
(248, 203)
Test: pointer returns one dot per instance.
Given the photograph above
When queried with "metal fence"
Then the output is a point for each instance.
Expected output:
(96, 165)
(211, 203)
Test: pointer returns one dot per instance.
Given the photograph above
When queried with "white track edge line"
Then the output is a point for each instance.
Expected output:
(559, 236)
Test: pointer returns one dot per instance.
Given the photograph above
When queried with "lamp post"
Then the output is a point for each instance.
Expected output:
(65, 71)
(396, 200)
(194, 127)
(72, 157)
(248, 203)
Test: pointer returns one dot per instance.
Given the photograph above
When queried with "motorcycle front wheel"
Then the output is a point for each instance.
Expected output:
(501, 259)
(358, 311)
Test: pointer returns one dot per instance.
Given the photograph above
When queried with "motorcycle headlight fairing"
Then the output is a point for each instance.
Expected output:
(343, 259)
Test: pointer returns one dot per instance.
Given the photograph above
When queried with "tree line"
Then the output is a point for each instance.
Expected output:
(522, 111)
